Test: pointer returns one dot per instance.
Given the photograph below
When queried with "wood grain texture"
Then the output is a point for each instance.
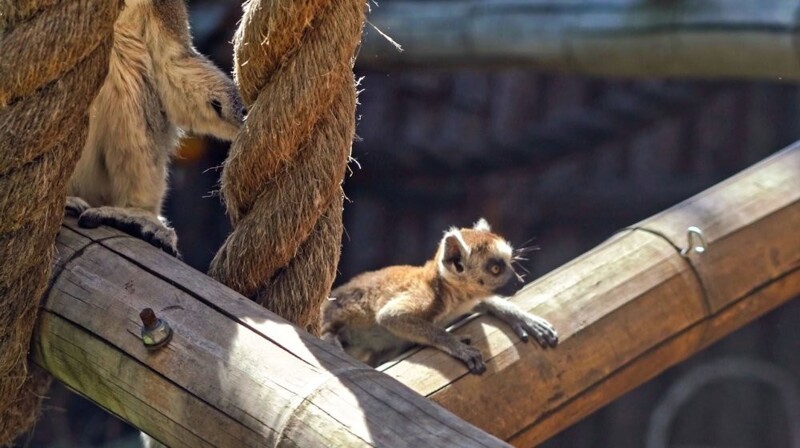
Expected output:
(234, 374)
(629, 309)
(714, 38)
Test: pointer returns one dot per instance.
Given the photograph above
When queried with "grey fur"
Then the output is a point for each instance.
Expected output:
(157, 85)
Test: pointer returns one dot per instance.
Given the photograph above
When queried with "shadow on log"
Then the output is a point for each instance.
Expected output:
(233, 375)
(629, 309)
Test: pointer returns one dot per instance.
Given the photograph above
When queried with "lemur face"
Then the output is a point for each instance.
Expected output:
(478, 261)
(206, 99)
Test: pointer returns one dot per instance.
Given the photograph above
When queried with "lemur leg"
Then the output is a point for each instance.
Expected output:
(139, 223)
(420, 331)
(125, 169)
(521, 322)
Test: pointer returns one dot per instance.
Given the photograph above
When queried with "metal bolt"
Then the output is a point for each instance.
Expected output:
(156, 333)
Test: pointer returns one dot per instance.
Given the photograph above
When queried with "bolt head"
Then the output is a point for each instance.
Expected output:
(148, 317)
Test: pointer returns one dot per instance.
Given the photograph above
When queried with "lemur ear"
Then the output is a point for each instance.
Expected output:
(482, 225)
(454, 251)
(453, 258)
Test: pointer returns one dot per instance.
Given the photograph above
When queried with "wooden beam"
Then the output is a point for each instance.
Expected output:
(237, 374)
(715, 38)
(234, 374)
(629, 309)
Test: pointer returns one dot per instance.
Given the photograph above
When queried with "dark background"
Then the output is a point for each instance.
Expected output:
(563, 159)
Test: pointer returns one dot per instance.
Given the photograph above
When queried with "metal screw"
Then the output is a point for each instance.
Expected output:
(156, 333)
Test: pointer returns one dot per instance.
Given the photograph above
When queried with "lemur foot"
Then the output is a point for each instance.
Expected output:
(472, 357)
(75, 206)
(542, 330)
(135, 222)
(333, 339)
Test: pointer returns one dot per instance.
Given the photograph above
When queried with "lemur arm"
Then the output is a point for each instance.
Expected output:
(198, 97)
(523, 323)
(397, 317)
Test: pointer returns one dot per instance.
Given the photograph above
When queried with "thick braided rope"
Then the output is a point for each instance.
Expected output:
(54, 59)
(282, 180)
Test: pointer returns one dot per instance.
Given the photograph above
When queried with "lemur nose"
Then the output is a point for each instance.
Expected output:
(512, 286)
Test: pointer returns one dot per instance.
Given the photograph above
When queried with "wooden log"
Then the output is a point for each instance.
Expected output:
(233, 375)
(236, 374)
(629, 309)
(715, 38)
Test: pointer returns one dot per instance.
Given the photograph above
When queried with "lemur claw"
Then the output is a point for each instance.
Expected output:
(521, 333)
(541, 330)
(545, 334)
(134, 223)
(75, 206)
(472, 357)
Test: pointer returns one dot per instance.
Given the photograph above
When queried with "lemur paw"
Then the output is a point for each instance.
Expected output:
(542, 330)
(138, 223)
(472, 357)
(75, 206)
(333, 339)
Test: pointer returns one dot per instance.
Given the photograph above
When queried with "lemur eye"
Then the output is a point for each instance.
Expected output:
(495, 266)
(217, 105)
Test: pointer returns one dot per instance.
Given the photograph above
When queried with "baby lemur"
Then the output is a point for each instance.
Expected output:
(157, 85)
(377, 315)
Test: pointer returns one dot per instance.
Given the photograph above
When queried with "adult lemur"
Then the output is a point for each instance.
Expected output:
(157, 85)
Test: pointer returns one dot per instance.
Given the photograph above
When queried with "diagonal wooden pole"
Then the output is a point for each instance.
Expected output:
(630, 308)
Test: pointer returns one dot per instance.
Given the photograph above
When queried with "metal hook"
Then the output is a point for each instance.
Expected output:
(695, 240)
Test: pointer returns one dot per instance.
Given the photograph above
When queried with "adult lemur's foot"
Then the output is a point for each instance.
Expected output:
(75, 206)
(139, 223)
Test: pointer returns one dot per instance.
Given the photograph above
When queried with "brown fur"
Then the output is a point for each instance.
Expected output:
(376, 315)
